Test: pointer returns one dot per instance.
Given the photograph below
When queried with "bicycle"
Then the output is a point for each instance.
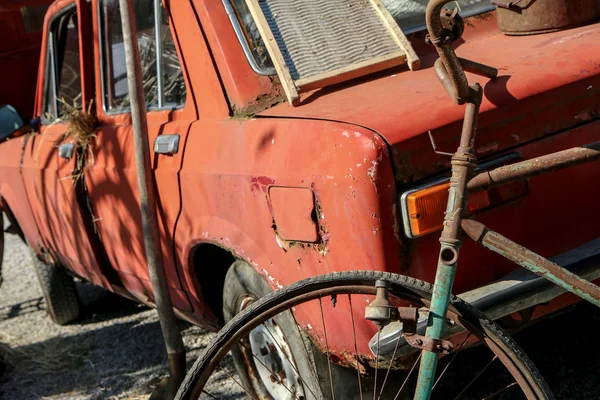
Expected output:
(423, 319)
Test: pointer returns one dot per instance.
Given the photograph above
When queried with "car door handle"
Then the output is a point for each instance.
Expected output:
(166, 144)
(66, 150)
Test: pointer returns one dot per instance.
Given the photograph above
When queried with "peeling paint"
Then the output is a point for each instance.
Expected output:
(373, 170)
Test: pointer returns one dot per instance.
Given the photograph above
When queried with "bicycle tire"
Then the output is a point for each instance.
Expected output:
(519, 365)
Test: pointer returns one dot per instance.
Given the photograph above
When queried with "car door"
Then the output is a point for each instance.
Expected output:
(112, 179)
(50, 158)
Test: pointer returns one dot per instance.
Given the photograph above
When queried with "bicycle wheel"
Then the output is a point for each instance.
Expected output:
(328, 311)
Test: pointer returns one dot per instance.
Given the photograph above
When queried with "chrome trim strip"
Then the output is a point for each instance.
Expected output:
(242, 39)
(54, 78)
(159, 52)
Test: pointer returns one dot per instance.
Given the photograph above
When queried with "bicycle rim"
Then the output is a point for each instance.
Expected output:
(523, 377)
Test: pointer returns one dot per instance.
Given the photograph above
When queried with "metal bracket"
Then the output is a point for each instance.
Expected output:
(444, 347)
(442, 153)
(409, 317)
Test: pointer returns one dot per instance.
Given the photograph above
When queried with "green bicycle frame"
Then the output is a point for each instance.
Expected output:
(443, 28)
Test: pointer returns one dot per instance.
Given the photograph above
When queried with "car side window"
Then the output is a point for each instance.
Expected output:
(162, 77)
(62, 77)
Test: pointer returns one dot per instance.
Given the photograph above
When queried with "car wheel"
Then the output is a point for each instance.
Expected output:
(59, 291)
(278, 346)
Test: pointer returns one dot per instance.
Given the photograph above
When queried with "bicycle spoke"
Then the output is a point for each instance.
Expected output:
(500, 391)
(408, 376)
(209, 395)
(301, 335)
(327, 349)
(389, 368)
(238, 383)
(476, 377)
(451, 361)
(383, 383)
(376, 365)
(285, 353)
(355, 347)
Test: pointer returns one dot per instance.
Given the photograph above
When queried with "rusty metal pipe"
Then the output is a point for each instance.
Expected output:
(538, 166)
(532, 261)
(478, 69)
(450, 67)
(168, 322)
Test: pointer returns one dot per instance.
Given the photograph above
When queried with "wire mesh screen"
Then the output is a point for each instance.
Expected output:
(317, 36)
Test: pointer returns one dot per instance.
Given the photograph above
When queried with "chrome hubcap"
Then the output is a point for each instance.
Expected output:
(274, 366)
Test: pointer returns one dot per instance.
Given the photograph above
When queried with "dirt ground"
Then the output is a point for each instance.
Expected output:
(115, 351)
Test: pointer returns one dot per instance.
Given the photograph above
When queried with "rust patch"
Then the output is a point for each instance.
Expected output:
(261, 183)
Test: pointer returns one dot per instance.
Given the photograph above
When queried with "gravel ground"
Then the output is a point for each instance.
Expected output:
(115, 351)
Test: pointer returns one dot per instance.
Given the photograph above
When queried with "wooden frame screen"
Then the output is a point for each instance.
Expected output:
(316, 43)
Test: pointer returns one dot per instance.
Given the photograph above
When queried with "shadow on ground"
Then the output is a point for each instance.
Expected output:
(116, 344)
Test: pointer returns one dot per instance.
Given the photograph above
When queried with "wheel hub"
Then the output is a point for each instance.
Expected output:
(273, 366)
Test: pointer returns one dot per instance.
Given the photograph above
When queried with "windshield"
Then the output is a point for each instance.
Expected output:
(410, 15)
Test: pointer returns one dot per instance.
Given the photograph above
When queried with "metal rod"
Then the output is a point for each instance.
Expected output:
(532, 261)
(538, 166)
(478, 68)
(160, 84)
(463, 165)
(450, 65)
(160, 288)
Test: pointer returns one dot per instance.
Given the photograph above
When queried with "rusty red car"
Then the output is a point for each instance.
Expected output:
(254, 192)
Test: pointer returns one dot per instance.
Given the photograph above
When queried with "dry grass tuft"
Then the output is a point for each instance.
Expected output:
(82, 128)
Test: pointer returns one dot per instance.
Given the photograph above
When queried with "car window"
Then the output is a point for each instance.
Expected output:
(62, 82)
(162, 77)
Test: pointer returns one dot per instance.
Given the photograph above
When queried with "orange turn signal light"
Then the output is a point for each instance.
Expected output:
(425, 208)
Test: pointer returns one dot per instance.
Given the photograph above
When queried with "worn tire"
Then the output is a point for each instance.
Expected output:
(59, 291)
(1, 245)
(242, 281)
